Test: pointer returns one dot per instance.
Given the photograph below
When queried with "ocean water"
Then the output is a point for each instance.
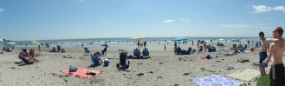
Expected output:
(124, 42)
(147, 39)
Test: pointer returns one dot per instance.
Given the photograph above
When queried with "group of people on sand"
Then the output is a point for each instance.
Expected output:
(273, 49)
(27, 58)
(59, 49)
(137, 54)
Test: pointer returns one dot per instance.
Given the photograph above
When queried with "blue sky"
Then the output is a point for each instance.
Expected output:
(67, 19)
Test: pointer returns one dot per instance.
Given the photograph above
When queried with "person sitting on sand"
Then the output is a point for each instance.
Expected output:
(200, 49)
(189, 51)
(26, 59)
(145, 53)
(178, 52)
(137, 53)
(32, 52)
(97, 61)
(31, 59)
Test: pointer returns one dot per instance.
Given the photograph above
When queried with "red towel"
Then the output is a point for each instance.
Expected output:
(81, 72)
(203, 58)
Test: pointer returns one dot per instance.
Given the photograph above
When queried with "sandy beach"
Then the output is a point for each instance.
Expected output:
(164, 68)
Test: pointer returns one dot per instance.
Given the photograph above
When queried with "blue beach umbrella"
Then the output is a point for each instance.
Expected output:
(180, 38)
(9, 43)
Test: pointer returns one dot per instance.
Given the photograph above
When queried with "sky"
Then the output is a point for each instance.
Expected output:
(72, 19)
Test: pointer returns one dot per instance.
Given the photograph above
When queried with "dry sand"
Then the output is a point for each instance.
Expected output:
(163, 69)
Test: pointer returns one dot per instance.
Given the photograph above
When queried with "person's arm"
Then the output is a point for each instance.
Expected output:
(271, 40)
(265, 62)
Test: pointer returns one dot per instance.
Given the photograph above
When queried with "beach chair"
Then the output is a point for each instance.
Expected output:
(95, 59)
(86, 51)
(178, 51)
(53, 49)
(145, 53)
(137, 53)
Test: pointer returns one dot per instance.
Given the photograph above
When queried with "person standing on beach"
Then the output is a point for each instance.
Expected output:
(39, 47)
(262, 52)
(82, 45)
(144, 43)
(276, 51)
(58, 48)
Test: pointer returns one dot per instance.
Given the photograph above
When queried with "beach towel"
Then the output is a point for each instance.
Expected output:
(203, 58)
(82, 72)
(245, 75)
(215, 80)
(263, 80)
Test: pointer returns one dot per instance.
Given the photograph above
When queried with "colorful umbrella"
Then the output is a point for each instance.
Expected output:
(137, 38)
(9, 43)
(180, 38)
(33, 42)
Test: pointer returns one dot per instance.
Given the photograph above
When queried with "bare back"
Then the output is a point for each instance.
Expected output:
(277, 50)
(264, 46)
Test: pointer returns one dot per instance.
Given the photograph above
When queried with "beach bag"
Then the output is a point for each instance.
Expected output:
(72, 69)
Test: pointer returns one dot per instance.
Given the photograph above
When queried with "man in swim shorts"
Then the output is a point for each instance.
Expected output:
(263, 52)
(276, 51)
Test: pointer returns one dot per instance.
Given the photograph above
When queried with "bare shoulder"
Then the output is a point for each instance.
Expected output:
(272, 45)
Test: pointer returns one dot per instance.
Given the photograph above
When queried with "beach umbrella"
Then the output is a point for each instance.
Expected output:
(180, 38)
(137, 38)
(221, 39)
(1, 40)
(9, 43)
(33, 42)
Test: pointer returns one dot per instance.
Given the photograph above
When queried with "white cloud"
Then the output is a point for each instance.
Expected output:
(168, 21)
(261, 8)
(279, 8)
(264, 8)
(2, 9)
(81, 0)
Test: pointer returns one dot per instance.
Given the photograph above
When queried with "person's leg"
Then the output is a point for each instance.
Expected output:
(279, 71)
(262, 57)
(271, 76)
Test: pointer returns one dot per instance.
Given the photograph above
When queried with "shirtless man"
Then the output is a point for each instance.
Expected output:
(276, 51)
(262, 53)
